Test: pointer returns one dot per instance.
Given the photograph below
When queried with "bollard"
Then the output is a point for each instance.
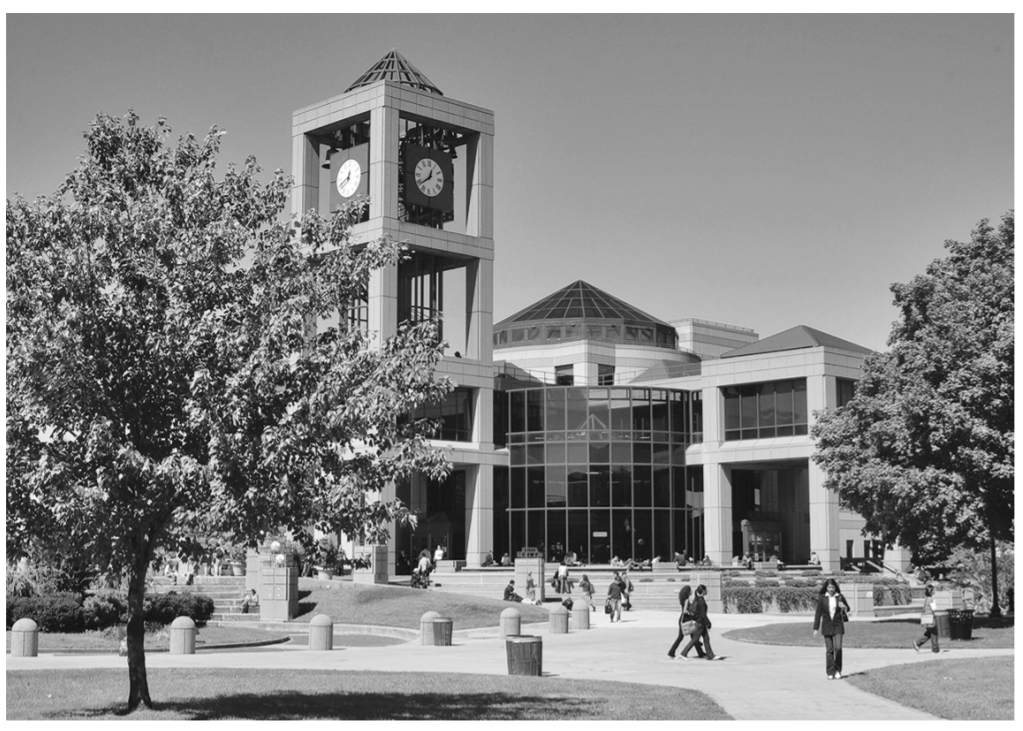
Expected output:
(581, 616)
(511, 622)
(182, 636)
(24, 638)
(559, 620)
(321, 633)
(435, 630)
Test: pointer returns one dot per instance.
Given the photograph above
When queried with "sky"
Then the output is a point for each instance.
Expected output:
(764, 171)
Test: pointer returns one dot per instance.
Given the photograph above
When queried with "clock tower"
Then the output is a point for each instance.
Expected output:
(425, 163)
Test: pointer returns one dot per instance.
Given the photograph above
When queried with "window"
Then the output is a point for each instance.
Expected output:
(763, 410)
(454, 413)
(605, 375)
(846, 390)
(564, 375)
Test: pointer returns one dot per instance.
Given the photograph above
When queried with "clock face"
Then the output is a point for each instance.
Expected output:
(348, 176)
(429, 177)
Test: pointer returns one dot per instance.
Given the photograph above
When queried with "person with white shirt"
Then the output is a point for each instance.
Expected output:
(830, 620)
(927, 622)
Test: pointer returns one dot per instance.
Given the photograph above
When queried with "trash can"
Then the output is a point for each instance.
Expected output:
(525, 655)
(961, 624)
(942, 624)
(435, 630)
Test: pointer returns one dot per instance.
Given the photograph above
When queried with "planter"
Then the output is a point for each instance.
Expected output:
(324, 574)
(237, 568)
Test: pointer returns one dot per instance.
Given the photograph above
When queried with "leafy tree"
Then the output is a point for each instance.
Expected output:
(163, 375)
(924, 451)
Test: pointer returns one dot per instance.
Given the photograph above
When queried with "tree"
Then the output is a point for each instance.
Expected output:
(924, 450)
(163, 375)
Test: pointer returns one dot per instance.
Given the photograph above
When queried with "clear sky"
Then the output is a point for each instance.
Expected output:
(762, 171)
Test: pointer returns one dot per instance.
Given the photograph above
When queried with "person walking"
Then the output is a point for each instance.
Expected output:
(587, 589)
(531, 589)
(563, 585)
(830, 619)
(703, 624)
(626, 591)
(927, 621)
(684, 600)
(614, 599)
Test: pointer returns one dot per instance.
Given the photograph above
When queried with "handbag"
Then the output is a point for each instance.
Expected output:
(927, 619)
(842, 615)
(688, 627)
(607, 606)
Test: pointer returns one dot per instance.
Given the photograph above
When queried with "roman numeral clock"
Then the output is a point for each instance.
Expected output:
(427, 180)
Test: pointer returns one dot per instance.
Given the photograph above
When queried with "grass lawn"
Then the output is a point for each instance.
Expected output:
(882, 634)
(218, 694)
(960, 690)
(396, 606)
(107, 640)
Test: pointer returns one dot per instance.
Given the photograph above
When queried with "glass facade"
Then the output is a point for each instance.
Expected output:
(454, 414)
(763, 410)
(601, 471)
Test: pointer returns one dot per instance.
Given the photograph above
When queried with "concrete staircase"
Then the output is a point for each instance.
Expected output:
(651, 589)
(225, 591)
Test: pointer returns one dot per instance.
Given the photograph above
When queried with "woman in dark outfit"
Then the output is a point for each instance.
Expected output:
(699, 612)
(685, 616)
(828, 620)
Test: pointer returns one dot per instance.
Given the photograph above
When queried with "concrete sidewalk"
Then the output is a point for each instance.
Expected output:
(752, 682)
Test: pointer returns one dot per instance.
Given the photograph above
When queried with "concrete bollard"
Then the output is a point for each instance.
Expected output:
(559, 620)
(182, 636)
(511, 622)
(435, 630)
(321, 633)
(25, 638)
(581, 615)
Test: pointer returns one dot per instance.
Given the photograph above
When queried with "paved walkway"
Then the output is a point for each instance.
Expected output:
(753, 682)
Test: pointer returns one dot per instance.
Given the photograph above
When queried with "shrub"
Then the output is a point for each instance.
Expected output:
(51, 613)
(165, 608)
(105, 609)
(756, 599)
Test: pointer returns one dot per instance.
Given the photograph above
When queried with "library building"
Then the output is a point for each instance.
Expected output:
(580, 426)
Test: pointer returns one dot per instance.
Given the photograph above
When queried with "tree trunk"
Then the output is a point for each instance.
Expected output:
(996, 611)
(138, 692)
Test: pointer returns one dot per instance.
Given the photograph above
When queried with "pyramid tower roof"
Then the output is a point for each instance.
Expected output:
(395, 67)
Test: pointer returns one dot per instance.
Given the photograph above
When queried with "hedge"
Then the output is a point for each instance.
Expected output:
(757, 599)
(51, 613)
(68, 613)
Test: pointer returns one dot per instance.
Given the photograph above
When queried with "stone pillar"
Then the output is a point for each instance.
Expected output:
(559, 620)
(321, 633)
(581, 615)
(278, 585)
(717, 512)
(529, 562)
(25, 638)
(479, 508)
(376, 573)
(824, 533)
(182, 636)
(712, 580)
(511, 622)
(861, 599)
